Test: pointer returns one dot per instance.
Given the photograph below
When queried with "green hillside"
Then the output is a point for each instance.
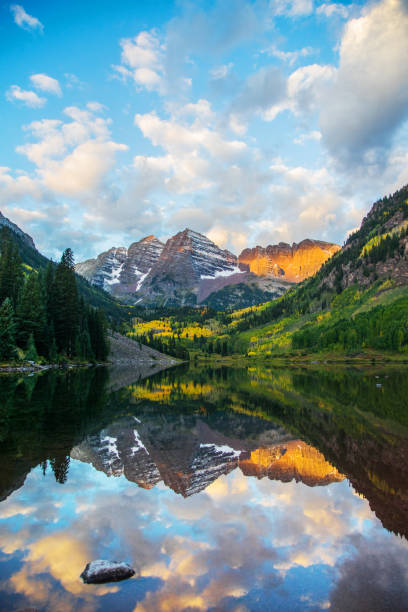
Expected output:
(33, 259)
(358, 300)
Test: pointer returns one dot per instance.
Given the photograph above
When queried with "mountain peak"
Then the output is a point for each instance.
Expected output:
(4, 222)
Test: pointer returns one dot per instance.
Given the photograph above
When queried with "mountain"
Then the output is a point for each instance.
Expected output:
(119, 270)
(292, 263)
(189, 460)
(357, 301)
(188, 263)
(190, 269)
(4, 222)
(184, 271)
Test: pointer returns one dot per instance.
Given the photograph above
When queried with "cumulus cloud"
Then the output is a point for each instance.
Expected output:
(72, 158)
(24, 20)
(26, 97)
(304, 90)
(368, 99)
(43, 82)
(142, 58)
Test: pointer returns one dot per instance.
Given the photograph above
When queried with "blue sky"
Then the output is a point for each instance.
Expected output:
(252, 122)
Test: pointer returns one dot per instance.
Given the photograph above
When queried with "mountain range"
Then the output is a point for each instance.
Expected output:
(190, 269)
(188, 461)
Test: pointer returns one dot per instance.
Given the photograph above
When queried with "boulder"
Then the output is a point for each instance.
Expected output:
(100, 571)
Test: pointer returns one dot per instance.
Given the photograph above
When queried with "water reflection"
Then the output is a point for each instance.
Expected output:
(225, 489)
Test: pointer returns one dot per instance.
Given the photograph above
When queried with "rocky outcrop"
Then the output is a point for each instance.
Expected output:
(4, 222)
(101, 571)
(121, 271)
(291, 263)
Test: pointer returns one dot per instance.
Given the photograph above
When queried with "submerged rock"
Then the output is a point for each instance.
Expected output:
(100, 571)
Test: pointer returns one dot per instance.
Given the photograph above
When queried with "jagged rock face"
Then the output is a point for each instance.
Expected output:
(4, 222)
(105, 270)
(119, 270)
(187, 455)
(188, 258)
(292, 263)
(293, 460)
(190, 267)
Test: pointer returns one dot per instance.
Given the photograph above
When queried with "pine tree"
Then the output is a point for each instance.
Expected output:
(7, 330)
(11, 270)
(31, 314)
(64, 304)
(31, 352)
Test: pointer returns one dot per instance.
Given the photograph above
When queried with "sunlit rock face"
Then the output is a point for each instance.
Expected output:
(294, 460)
(119, 270)
(292, 263)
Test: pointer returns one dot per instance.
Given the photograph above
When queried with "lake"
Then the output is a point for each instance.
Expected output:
(224, 488)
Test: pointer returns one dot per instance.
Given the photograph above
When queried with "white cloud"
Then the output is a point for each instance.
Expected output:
(96, 107)
(178, 138)
(43, 82)
(29, 98)
(368, 100)
(304, 90)
(291, 57)
(74, 157)
(24, 20)
(292, 8)
(142, 61)
(332, 9)
(14, 188)
(313, 135)
(220, 72)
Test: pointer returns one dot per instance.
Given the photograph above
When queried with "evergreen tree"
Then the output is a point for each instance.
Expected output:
(31, 314)
(11, 269)
(31, 353)
(64, 304)
(7, 330)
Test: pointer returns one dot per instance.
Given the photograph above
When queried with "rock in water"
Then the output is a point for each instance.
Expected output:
(100, 571)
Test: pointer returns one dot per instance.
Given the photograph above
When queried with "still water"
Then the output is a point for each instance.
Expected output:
(225, 489)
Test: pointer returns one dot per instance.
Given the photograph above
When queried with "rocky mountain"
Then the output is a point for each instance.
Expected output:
(4, 222)
(292, 263)
(121, 271)
(189, 460)
(189, 261)
(190, 269)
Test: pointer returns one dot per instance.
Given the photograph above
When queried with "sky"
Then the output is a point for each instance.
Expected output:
(252, 122)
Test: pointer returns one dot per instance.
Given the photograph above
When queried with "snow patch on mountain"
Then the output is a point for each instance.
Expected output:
(219, 273)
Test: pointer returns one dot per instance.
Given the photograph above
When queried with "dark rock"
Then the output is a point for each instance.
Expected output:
(100, 571)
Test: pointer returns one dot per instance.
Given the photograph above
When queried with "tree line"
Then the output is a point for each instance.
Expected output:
(382, 328)
(41, 314)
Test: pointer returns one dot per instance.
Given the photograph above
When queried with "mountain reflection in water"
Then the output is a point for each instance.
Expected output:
(227, 489)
